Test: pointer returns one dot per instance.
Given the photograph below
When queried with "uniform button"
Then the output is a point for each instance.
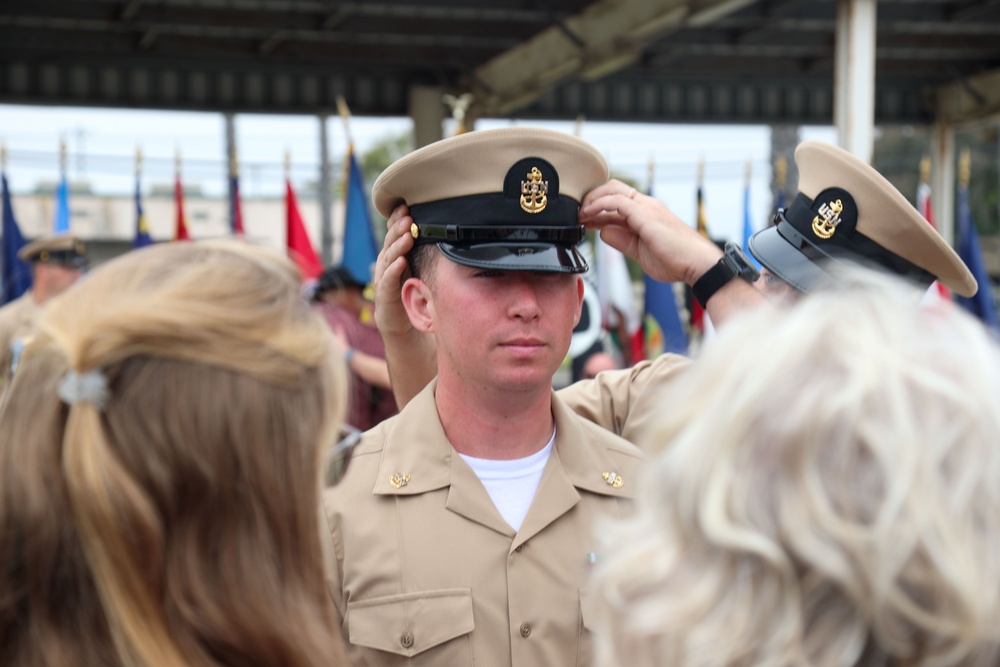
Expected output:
(406, 640)
(525, 630)
(519, 548)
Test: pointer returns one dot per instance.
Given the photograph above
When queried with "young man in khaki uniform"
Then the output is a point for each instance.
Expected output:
(56, 263)
(845, 213)
(463, 532)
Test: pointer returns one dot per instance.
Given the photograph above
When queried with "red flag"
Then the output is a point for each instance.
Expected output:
(181, 232)
(300, 249)
(927, 210)
(236, 214)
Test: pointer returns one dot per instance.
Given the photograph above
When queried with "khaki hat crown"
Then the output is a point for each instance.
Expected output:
(505, 198)
(64, 249)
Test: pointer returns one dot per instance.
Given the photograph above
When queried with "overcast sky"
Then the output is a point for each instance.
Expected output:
(101, 145)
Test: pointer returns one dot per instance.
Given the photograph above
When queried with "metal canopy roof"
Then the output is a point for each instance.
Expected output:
(744, 61)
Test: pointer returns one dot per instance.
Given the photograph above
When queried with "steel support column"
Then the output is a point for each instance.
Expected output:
(854, 76)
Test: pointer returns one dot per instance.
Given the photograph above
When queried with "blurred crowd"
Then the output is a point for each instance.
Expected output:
(203, 464)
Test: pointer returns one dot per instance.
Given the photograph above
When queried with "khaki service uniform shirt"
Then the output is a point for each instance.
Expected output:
(628, 402)
(425, 572)
(17, 324)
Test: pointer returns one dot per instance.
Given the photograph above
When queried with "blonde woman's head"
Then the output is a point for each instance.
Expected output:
(160, 467)
(825, 490)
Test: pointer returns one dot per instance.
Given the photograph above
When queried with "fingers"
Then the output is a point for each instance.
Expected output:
(609, 207)
(398, 241)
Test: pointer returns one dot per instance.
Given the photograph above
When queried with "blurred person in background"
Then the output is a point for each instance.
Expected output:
(162, 445)
(339, 298)
(57, 262)
(833, 503)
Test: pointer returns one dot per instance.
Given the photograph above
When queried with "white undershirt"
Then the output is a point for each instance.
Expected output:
(512, 484)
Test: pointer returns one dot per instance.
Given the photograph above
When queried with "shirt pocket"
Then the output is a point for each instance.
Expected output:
(413, 624)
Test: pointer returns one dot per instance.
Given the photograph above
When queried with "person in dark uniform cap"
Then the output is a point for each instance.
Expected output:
(486, 484)
(339, 298)
(846, 212)
(56, 263)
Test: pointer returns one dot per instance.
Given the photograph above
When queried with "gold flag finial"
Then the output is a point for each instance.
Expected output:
(701, 171)
(965, 168)
(780, 171)
(345, 116)
(925, 169)
(650, 174)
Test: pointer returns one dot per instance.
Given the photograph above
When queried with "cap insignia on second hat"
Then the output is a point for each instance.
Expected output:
(825, 224)
(534, 192)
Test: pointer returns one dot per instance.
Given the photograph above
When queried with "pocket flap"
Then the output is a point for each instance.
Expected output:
(411, 623)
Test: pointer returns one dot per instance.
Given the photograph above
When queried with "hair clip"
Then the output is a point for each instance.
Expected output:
(89, 387)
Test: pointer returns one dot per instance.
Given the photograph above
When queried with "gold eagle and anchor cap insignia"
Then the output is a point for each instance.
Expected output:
(505, 199)
(534, 191)
(825, 224)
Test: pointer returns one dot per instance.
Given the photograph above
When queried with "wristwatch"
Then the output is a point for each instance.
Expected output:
(734, 264)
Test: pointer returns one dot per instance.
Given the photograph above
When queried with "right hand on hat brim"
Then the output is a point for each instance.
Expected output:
(668, 250)
(642, 228)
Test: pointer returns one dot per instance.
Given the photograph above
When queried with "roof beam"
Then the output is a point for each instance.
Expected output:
(607, 36)
(974, 98)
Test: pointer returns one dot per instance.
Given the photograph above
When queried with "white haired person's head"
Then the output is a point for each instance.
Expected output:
(825, 490)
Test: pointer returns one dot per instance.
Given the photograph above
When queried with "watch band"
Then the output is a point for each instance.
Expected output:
(712, 281)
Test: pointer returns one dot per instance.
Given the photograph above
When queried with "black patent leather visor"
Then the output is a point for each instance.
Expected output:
(782, 257)
(526, 256)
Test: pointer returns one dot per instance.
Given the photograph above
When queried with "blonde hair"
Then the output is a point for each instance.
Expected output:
(178, 524)
(825, 490)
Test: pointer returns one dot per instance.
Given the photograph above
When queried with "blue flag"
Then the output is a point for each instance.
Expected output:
(748, 227)
(61, 225)
(661, 322)
(16, 272)
(360, 248)
(980, 304)
(142, 238)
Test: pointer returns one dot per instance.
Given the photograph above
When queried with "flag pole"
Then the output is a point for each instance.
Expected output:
(3, 156)
(925, 169)
(650, 173)
(965, 168)
(138, 162)
(288, 165)
(345, 117)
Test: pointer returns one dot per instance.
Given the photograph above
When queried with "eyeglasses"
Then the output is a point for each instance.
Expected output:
(339, 456)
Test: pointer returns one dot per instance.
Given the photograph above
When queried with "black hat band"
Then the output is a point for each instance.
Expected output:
(492, 218)
(796, 225)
